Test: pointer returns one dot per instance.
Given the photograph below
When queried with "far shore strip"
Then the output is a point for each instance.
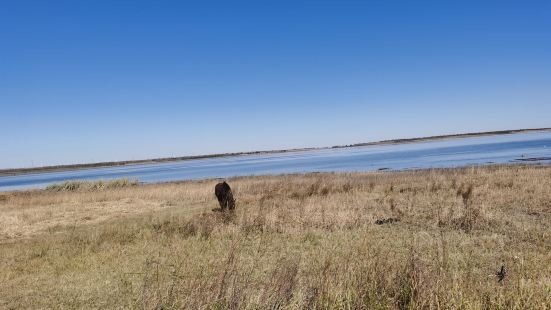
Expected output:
(20, 171)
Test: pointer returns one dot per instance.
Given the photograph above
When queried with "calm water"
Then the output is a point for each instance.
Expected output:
(435, 154)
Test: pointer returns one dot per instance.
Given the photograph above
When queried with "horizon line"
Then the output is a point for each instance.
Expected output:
(64, 167)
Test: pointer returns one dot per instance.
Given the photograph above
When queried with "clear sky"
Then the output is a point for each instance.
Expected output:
(88, 81)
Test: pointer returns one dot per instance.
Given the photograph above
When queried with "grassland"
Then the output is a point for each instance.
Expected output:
(294, 242)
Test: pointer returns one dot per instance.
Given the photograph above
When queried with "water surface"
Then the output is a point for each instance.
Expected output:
(454, 152)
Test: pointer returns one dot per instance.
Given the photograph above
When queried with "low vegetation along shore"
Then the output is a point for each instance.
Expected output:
(400, 240)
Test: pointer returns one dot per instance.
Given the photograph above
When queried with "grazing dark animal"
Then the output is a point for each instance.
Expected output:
(225, 196)
(501, 274)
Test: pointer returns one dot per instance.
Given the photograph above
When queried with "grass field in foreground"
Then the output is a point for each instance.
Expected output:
(294, 242)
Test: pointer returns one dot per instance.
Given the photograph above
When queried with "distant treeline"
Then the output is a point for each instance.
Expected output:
(460, 135)
(16, 171)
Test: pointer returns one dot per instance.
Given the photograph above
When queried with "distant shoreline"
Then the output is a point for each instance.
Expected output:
(20, 171)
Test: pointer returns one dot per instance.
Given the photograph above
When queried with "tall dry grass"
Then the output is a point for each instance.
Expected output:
(294, 242)
(80, 185)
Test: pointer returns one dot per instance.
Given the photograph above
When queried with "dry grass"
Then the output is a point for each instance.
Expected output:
(91, 185)
(294, 242)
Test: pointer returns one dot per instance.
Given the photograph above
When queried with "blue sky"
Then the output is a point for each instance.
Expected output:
(88, 81)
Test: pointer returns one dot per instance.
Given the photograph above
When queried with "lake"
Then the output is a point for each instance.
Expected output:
(453, 152)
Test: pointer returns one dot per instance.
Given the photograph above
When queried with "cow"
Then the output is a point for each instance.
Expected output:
(224, 195)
